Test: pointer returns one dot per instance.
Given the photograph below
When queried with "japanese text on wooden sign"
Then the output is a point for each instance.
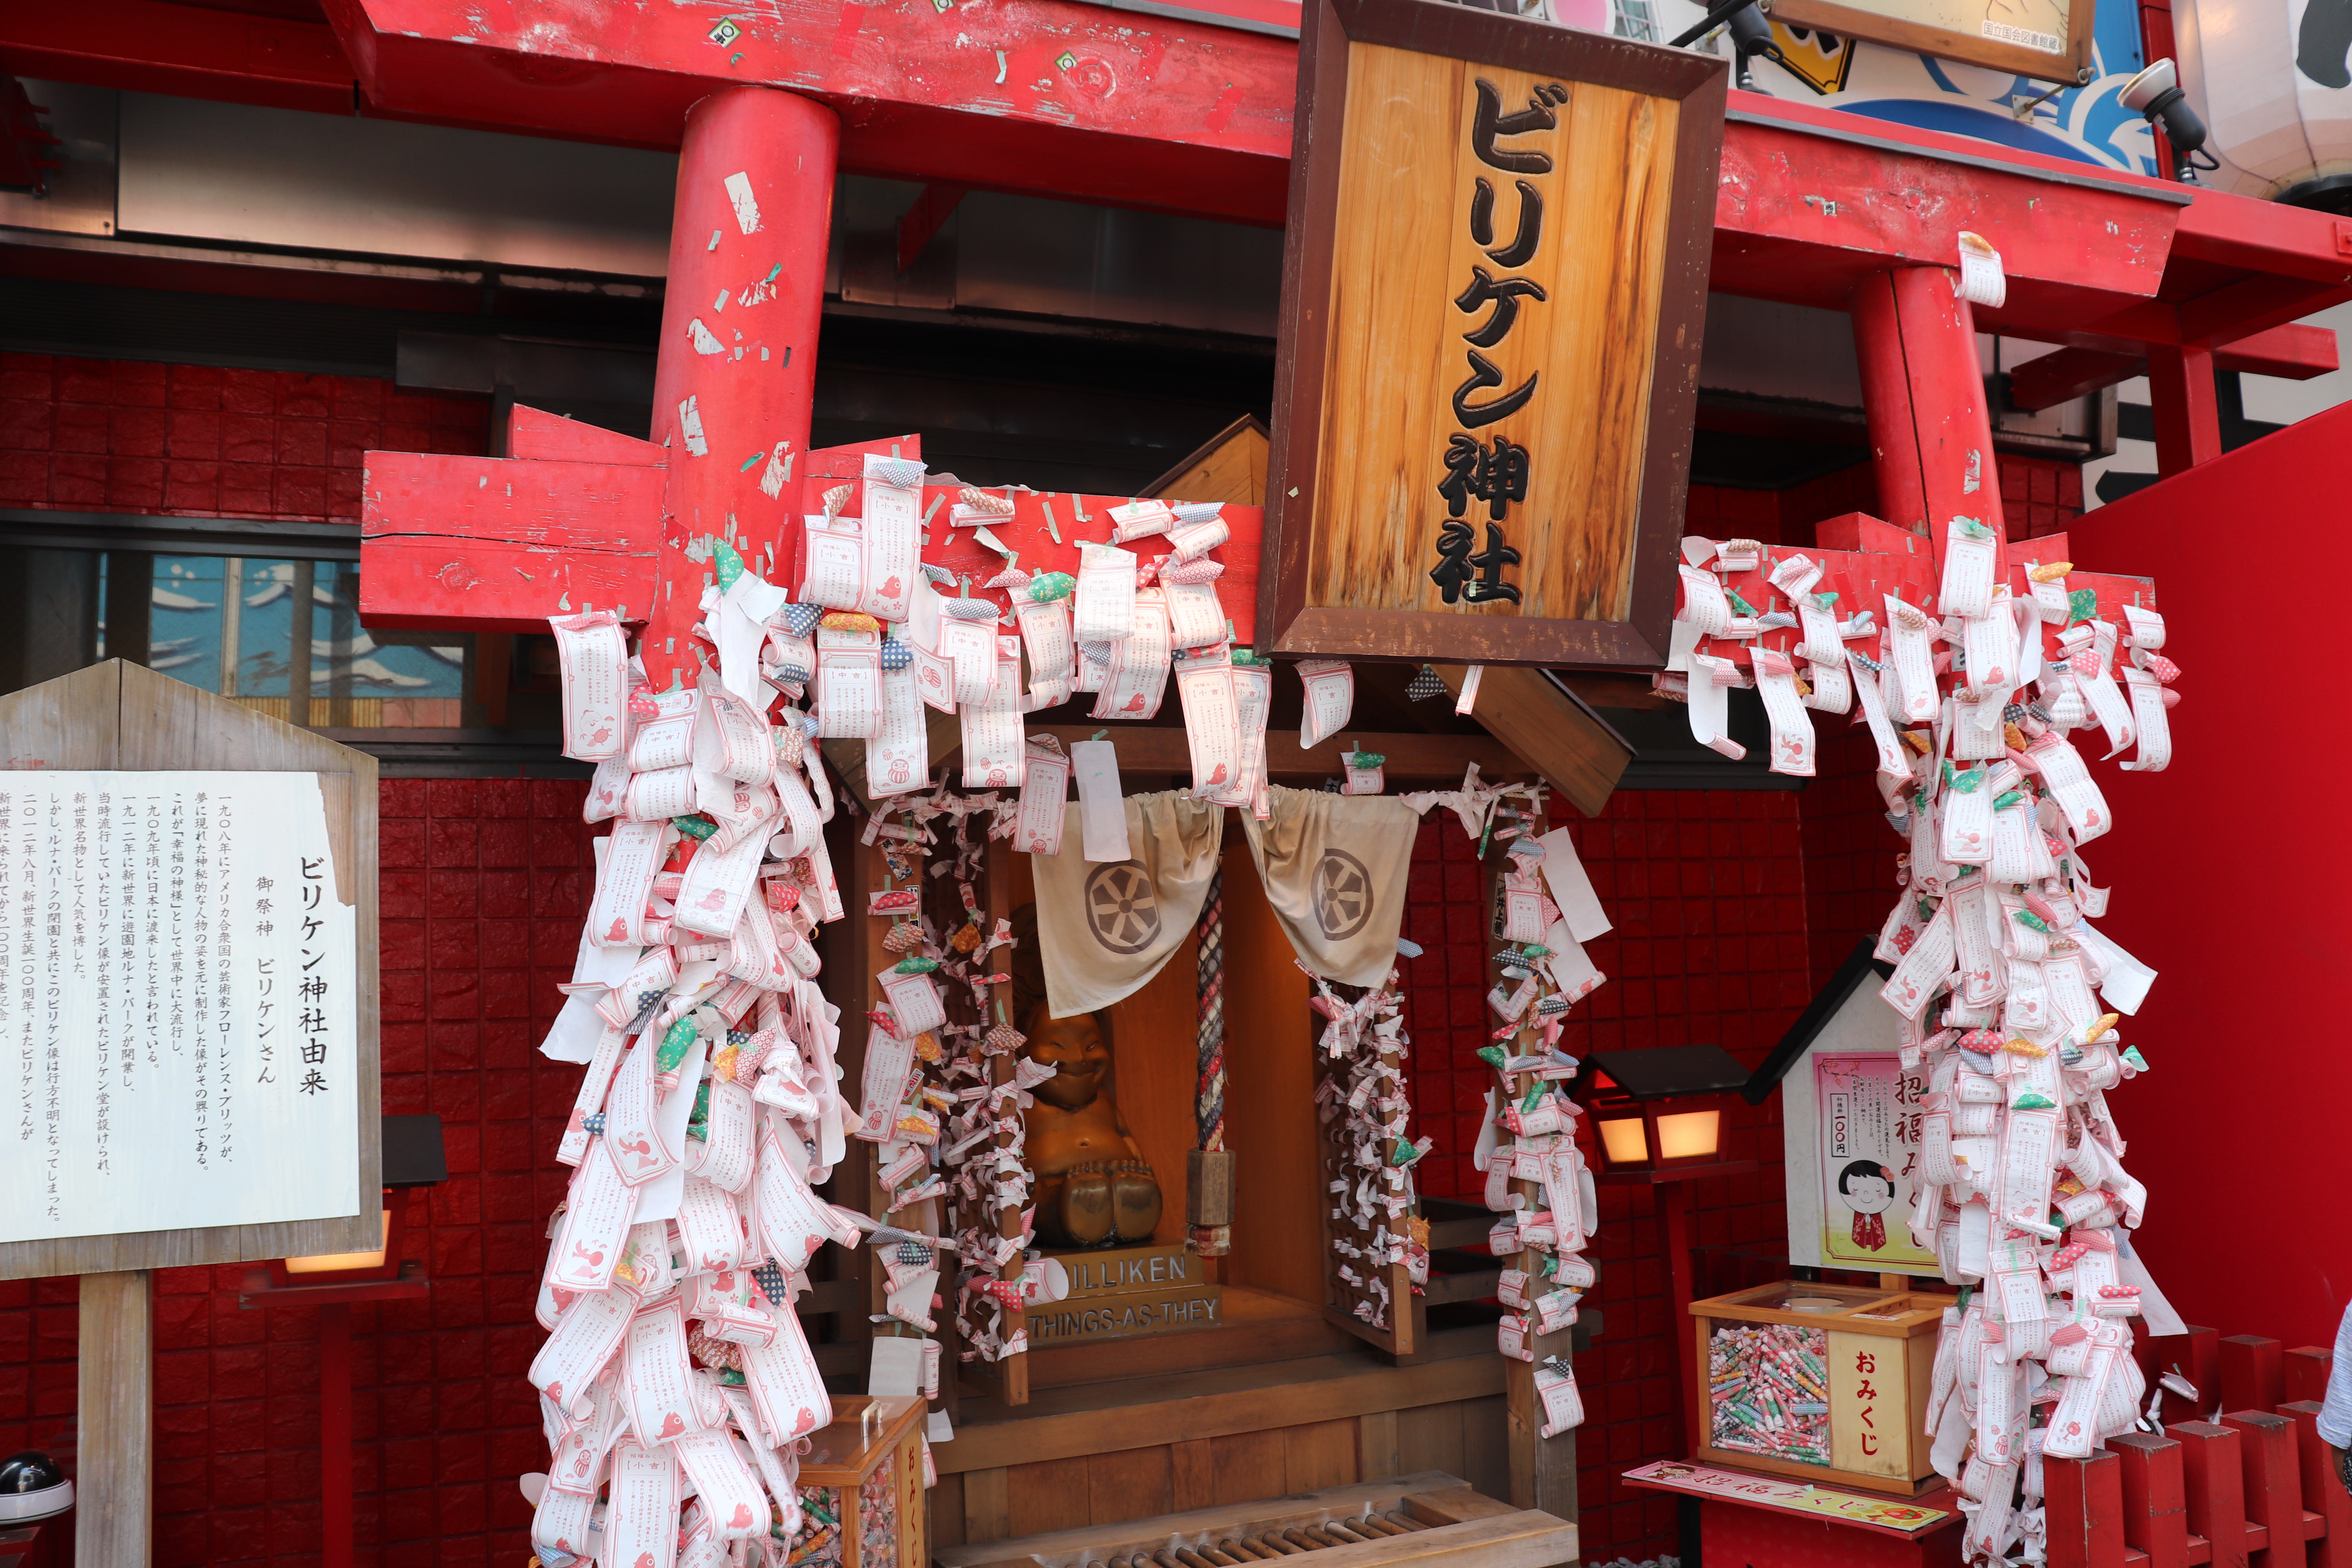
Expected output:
(1491, 310)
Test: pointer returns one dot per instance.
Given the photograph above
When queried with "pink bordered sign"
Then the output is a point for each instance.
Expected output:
(1890, 1514)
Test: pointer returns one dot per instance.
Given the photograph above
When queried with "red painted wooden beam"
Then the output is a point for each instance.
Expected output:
(1052, 97)
(148, 46)
(2291, 353)
(501, 544)
(1067, 99)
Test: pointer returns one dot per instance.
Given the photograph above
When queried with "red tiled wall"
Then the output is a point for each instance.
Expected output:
(1730, 907)
(1707, 893)
(2037, 495)
(484, 884)
(126, 435)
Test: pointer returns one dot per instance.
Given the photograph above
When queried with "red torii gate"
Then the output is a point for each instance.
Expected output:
(579, 518)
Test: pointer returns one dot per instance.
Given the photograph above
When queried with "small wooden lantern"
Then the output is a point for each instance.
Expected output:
(1658, 1109)
(413, 1158)
(861, 1486)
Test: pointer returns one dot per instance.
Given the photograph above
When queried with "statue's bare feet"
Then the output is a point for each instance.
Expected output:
(1086, 1209)
(1134, 1201)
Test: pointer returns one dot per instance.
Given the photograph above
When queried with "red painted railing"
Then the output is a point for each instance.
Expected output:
(2258, 1486)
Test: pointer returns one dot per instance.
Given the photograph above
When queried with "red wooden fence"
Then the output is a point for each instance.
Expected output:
(2255, 1489)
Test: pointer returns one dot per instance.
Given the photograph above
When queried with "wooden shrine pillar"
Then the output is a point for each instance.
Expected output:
(737, 372)
(1923, 392)
(115, 1528)
(2184, 405)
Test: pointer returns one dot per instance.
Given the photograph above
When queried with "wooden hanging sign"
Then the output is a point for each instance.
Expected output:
(1494, 287)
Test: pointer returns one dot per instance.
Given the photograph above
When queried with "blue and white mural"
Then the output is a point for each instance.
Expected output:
(2086, 124)
(212, 616)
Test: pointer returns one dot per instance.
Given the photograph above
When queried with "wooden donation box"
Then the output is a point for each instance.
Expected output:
(1425, 1518)
(1494, 287)
(861, 1486)
(1825, 1381)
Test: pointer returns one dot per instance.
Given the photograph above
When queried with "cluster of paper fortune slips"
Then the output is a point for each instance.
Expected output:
(2008, 997)
(675, 1379)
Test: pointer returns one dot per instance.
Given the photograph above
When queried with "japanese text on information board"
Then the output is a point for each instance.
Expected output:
(178, 1004)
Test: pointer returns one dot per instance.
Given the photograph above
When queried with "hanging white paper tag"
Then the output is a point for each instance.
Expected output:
(892, 505)
(833, 563)
(2070, 784)
(1711, 680)
(1141, 520)
(1921, 973)
(993, 731)
(1989, 645)
(1981, 281)
(1971, 554)
(1137, 679)
(1045, 789)
(1792, 732)
(899, 758)
(716, 883)
(1211, 718)
(625, 881)
(2148, 718)
(1873, 711)
(1196, 539)
(970, 648)
(602, 1207)
(849, 683)
(1046, 634)
(594, 658)
(1105, 594)
(1330, 698)
(1704, 605)
(1102, 807)
(934, 678)
(1195, 618)
(889, 1062)
(1910, 655)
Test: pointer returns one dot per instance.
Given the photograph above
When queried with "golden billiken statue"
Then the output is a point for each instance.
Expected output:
(1093, 1187)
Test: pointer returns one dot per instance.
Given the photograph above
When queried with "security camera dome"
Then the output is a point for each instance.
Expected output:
(32, 1487)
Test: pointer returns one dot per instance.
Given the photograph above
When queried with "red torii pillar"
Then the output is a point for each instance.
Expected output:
(754, 214)
(1923, 393)
(584, 519)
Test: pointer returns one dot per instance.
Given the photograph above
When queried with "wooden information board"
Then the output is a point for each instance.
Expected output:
(2049, 40)
(160, 754)
(1494, 286)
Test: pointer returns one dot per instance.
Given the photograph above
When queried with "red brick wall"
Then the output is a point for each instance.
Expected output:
(86, 434)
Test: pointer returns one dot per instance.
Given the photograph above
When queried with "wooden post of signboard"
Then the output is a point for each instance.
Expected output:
(119, 717)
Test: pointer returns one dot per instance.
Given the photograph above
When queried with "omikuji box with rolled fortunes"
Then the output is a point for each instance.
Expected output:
(1820, 1381)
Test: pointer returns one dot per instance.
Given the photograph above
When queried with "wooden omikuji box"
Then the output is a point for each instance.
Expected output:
(1872, 1356)
(1423, 1520)
(861, 1486)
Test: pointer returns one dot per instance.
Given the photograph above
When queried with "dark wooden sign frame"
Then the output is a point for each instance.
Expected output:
(1332, 29)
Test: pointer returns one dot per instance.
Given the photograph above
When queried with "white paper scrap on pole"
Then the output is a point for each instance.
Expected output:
(1102, 811)
(1572, 888)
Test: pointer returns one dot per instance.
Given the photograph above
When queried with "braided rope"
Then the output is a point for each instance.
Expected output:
(1210, 1110)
